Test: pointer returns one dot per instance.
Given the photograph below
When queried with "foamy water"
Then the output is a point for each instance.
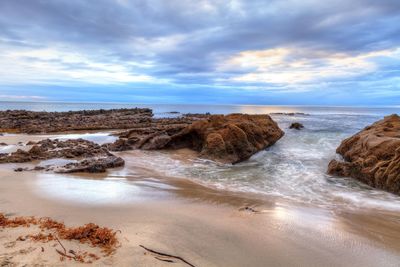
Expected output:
(293, 169)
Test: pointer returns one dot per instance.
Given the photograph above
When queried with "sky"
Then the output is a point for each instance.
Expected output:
(280, 52)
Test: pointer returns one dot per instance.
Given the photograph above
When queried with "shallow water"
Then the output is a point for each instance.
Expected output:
(294, 169)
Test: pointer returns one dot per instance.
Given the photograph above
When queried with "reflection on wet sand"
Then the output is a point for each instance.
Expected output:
(135, 184)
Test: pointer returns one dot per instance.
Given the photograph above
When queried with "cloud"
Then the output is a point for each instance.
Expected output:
(55, 65)
(293, 66)
(277, 45)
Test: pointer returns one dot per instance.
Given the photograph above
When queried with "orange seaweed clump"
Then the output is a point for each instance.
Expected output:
(100, 237)
(17, 221)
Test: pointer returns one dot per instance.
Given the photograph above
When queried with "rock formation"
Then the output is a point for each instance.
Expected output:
(22, 121)
(296, 125)
(372, 155)
(228, 139)
(90, 156)
(92, 165)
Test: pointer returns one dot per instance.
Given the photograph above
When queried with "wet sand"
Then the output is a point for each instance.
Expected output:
(205, 226)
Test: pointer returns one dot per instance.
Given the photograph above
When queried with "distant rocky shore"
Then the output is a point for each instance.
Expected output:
(22, 121)
(223, 138)
(372, 155)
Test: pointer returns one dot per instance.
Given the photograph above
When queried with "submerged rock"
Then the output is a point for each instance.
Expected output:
(372, 155)
(296, 125)
(228, 139)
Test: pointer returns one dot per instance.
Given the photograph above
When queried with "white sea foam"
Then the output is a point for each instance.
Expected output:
(293, 169)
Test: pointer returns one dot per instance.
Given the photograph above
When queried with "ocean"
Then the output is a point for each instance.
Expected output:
(163, 109)
(293, 169)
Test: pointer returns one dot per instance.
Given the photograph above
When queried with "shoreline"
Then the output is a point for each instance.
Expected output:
(206, 226)
(201, 228)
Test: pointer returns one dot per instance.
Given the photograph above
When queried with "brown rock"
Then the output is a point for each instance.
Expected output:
(22, 121)
(152, 135)
(228, 139)
(91, 156)
(119, 145)
(92, 165)
(296, 125)
(372, 155)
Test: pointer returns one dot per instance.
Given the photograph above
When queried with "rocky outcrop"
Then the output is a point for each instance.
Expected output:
(228, 139)
(22, 121)
(153, 135)
(92, 165)
(296, 126)
(89, 156)
(372, 155)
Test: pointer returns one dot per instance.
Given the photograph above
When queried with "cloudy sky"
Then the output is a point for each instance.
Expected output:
(337, 52)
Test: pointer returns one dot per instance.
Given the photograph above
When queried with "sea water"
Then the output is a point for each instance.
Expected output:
(293, 169)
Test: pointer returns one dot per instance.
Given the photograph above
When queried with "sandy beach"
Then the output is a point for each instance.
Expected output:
(205, 226)
(200, 133)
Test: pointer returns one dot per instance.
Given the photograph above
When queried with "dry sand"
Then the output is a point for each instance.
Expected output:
(204, 226)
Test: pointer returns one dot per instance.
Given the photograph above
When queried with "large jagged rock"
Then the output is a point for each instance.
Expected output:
(22, 121)
(89, 156)
(149, 136)
(228, 139)
(372, 155)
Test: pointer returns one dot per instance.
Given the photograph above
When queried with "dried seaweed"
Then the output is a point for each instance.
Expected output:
(51, 230)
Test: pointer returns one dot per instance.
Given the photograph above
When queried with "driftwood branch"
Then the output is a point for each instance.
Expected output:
(167, 255)
(58, 240)
(161, 259)
(64, 254)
